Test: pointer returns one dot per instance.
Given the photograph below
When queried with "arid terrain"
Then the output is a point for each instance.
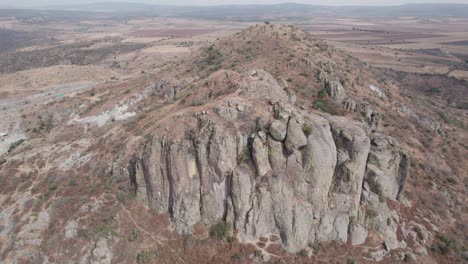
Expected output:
(186, 138)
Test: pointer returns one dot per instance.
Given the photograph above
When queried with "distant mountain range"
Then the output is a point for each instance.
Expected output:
(254, 12)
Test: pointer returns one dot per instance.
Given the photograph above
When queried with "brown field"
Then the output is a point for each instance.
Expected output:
(176, 33)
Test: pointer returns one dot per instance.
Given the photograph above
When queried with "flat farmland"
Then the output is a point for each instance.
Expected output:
(427, 46)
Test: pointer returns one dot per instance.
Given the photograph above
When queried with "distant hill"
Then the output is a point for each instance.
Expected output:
(238, 12)
(253, 12)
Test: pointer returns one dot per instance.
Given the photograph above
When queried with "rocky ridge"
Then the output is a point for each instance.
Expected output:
(256, 160)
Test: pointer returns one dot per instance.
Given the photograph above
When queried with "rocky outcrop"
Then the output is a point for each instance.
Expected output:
(333, 87)
(279, 170)
(387, 167)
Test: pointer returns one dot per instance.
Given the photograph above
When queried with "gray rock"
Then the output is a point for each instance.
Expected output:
(388, 167)
(295, 137)
(260, 156)
(358, 235)
(278, 130)
(336, 91)
(353, 143)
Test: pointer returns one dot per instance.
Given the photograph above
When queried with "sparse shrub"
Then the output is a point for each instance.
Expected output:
(408, 257)
(190, 134)
(2, 161)
(197, 102)
(105, 230)
(258, 254)
(236, 257)
(306, 129)
(53, 187)
(231, 239)
(72, 182)
(371, 213)
(143, 257)
(243, 156)
(134, 235)
(220, 230)
(444, 245)
(15, 145)
(327, 106)
(351, 261)
(317, 246)
(121, 197)
(302, 253)
(322, 94)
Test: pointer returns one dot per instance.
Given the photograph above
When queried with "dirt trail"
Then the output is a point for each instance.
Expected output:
(159, 240)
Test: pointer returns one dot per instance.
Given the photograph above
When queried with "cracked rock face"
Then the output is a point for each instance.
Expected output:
(298, 175)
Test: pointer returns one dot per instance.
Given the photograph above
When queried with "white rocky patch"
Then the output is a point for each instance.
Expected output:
(75, 159)
(70, 229)
(9, 134)
(377, 90)
(119, 113)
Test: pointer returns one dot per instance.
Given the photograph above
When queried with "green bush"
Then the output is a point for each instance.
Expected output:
(221, 230)
(327, 106)
(408, 257)
(145, 256)
(15, 145)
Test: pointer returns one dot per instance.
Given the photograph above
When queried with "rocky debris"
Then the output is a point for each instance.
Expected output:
(298, 177)
(378, 255)
(387, 167)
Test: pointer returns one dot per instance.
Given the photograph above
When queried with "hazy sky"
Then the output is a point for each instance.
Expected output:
(218, 2)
